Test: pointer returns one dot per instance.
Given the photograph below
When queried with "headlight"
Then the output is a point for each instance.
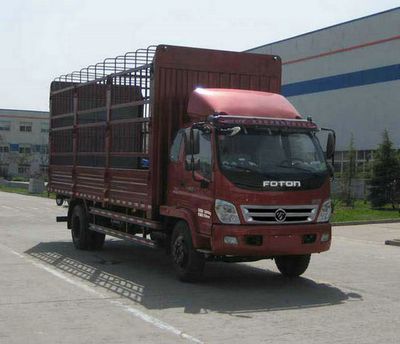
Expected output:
(226, 212)
(325, 212)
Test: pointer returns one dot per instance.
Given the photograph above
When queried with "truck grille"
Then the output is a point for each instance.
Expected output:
(285, 214)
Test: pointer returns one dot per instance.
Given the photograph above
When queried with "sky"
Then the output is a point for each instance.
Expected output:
(42, 39)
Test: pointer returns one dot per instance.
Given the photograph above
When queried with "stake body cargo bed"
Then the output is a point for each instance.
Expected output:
(112, 123)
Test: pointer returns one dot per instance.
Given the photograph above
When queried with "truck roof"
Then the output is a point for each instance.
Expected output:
(208, 101)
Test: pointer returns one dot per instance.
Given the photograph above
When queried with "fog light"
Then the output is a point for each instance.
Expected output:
(230, 240)
(325, 237)
(309, 238)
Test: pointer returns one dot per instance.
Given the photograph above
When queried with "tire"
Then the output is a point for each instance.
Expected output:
(160, 242)
(188, 263)
(82, 237)
(96, 241)
(79, 228)
(292, 266)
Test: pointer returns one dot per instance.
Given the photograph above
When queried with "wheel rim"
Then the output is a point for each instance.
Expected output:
(180, 252)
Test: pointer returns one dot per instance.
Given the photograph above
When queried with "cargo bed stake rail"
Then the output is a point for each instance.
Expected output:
(122, 235)
(126, 218)
(118, 66)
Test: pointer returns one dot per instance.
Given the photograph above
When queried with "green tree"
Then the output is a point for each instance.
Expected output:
(349, 173)
(385, 173)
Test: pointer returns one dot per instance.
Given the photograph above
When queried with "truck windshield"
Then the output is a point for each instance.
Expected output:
(253, 156)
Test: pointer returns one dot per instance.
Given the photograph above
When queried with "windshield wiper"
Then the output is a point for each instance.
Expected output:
(247, 185)
(240, 168)
(299, 168)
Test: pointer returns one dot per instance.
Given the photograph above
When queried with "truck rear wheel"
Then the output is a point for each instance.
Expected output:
(292, 266)
(188, 263)
(82, 237)
(79, 228)
(96, 241)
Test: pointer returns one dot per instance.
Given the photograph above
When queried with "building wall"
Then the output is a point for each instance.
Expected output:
(347, 77)
(24, 139)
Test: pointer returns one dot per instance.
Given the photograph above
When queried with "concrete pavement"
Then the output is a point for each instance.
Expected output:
(52, 293)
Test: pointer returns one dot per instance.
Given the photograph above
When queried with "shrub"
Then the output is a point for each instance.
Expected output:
(385, 174)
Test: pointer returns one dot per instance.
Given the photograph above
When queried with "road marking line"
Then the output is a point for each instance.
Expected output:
(4, 206)
(132, 310)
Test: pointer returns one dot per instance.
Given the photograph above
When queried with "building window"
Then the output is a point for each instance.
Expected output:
(25, 149)
(44, 128)
(25, 126)
(363, 160)
(3, 170)
(44, 169)
(5, 125)
(44, 149)
(23, 169)
(4, 149)
(14, 147)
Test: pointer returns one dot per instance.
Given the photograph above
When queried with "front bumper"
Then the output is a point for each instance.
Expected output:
(264, 240)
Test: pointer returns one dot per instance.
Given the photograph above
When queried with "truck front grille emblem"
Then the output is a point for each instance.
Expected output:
(280, 215)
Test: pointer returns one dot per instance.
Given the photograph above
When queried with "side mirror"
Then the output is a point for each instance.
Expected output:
(330, 145)
(192, 141)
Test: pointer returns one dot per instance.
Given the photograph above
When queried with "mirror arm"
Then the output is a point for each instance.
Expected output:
(330, 130)
(191, 143)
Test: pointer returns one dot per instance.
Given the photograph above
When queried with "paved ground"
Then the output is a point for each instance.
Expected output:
(51, 293)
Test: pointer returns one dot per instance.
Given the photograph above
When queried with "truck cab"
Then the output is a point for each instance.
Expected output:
(251, 180)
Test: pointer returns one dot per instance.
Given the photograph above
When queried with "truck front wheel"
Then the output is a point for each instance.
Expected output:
(292, 266)
(188, 263)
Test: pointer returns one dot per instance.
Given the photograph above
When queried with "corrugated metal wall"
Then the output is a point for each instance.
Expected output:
(347, 77)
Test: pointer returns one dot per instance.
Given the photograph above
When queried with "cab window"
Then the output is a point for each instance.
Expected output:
(176, 146)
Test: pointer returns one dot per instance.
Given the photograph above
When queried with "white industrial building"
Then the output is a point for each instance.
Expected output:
(347, 77)
(24, 137)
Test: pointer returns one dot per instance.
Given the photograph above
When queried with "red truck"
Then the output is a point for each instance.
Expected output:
(192, 149)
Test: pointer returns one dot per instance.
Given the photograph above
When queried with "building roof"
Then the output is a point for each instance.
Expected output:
(27, 114)
(324, 28)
